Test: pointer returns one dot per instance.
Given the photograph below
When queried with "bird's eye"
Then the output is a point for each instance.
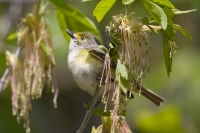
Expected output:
(82, 39)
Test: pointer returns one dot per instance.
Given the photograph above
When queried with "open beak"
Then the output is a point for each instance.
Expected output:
(69, 32)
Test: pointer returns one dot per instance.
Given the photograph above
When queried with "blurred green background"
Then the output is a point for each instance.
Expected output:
(180, 112)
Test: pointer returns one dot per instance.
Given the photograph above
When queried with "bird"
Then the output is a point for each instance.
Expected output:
(86, 62)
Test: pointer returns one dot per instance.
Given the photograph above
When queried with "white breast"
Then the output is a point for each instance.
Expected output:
(85, 70)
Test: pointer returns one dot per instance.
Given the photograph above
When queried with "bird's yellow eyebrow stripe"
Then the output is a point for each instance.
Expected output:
(77, 35)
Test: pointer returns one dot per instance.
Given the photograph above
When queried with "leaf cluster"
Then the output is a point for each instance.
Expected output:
(71, 18)
(161, 14)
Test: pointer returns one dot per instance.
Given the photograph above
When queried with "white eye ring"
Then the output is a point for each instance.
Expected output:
(82, 39)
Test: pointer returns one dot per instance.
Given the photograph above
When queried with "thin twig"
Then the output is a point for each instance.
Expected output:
(3, 79)
(156, 28)
(7, 71)
(89, 111)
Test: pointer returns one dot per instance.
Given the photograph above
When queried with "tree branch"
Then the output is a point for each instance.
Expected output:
(156, 28)
(90, 110)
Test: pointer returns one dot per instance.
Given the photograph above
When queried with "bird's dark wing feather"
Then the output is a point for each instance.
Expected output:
(100, 54)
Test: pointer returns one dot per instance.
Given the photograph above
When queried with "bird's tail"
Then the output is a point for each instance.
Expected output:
(156, 99)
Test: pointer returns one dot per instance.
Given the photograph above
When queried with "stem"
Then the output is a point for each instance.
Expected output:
(3, 79)
(89, 111)
(156, 28)
(7, 71)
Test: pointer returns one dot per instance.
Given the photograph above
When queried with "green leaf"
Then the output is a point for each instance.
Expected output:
(176, 11)
(103, 48)
(63, 24)
(169, 32)
(102, 8)
(168, 59)
(163, 3)
(168, 36)
(124, 84)
(127, 2)
(145, 21)
(46, 49)
(74, 19)
(169, 13)
(122, 70)
(157, 13)
(98, 111)
(112, 51)
(178, 27)
(122, 73)
(12, 36)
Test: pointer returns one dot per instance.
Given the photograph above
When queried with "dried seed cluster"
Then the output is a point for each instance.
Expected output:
(132, 44)
(34, 69)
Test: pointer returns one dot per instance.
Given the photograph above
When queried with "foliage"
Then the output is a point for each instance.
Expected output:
(71, 18)
(162, 13)
(102, 8)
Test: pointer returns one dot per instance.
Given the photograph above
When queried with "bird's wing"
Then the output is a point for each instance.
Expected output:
(97, 52)
(100, 54)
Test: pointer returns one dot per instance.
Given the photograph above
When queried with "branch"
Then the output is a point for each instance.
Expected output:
(156, 28)
(90, 110)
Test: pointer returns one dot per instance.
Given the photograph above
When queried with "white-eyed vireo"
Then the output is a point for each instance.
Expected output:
(86, 61)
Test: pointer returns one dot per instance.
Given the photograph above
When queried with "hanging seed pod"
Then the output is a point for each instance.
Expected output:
(34, 68)
(131, 43)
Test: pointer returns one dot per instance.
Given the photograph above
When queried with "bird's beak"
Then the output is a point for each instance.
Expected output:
(69, 32)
